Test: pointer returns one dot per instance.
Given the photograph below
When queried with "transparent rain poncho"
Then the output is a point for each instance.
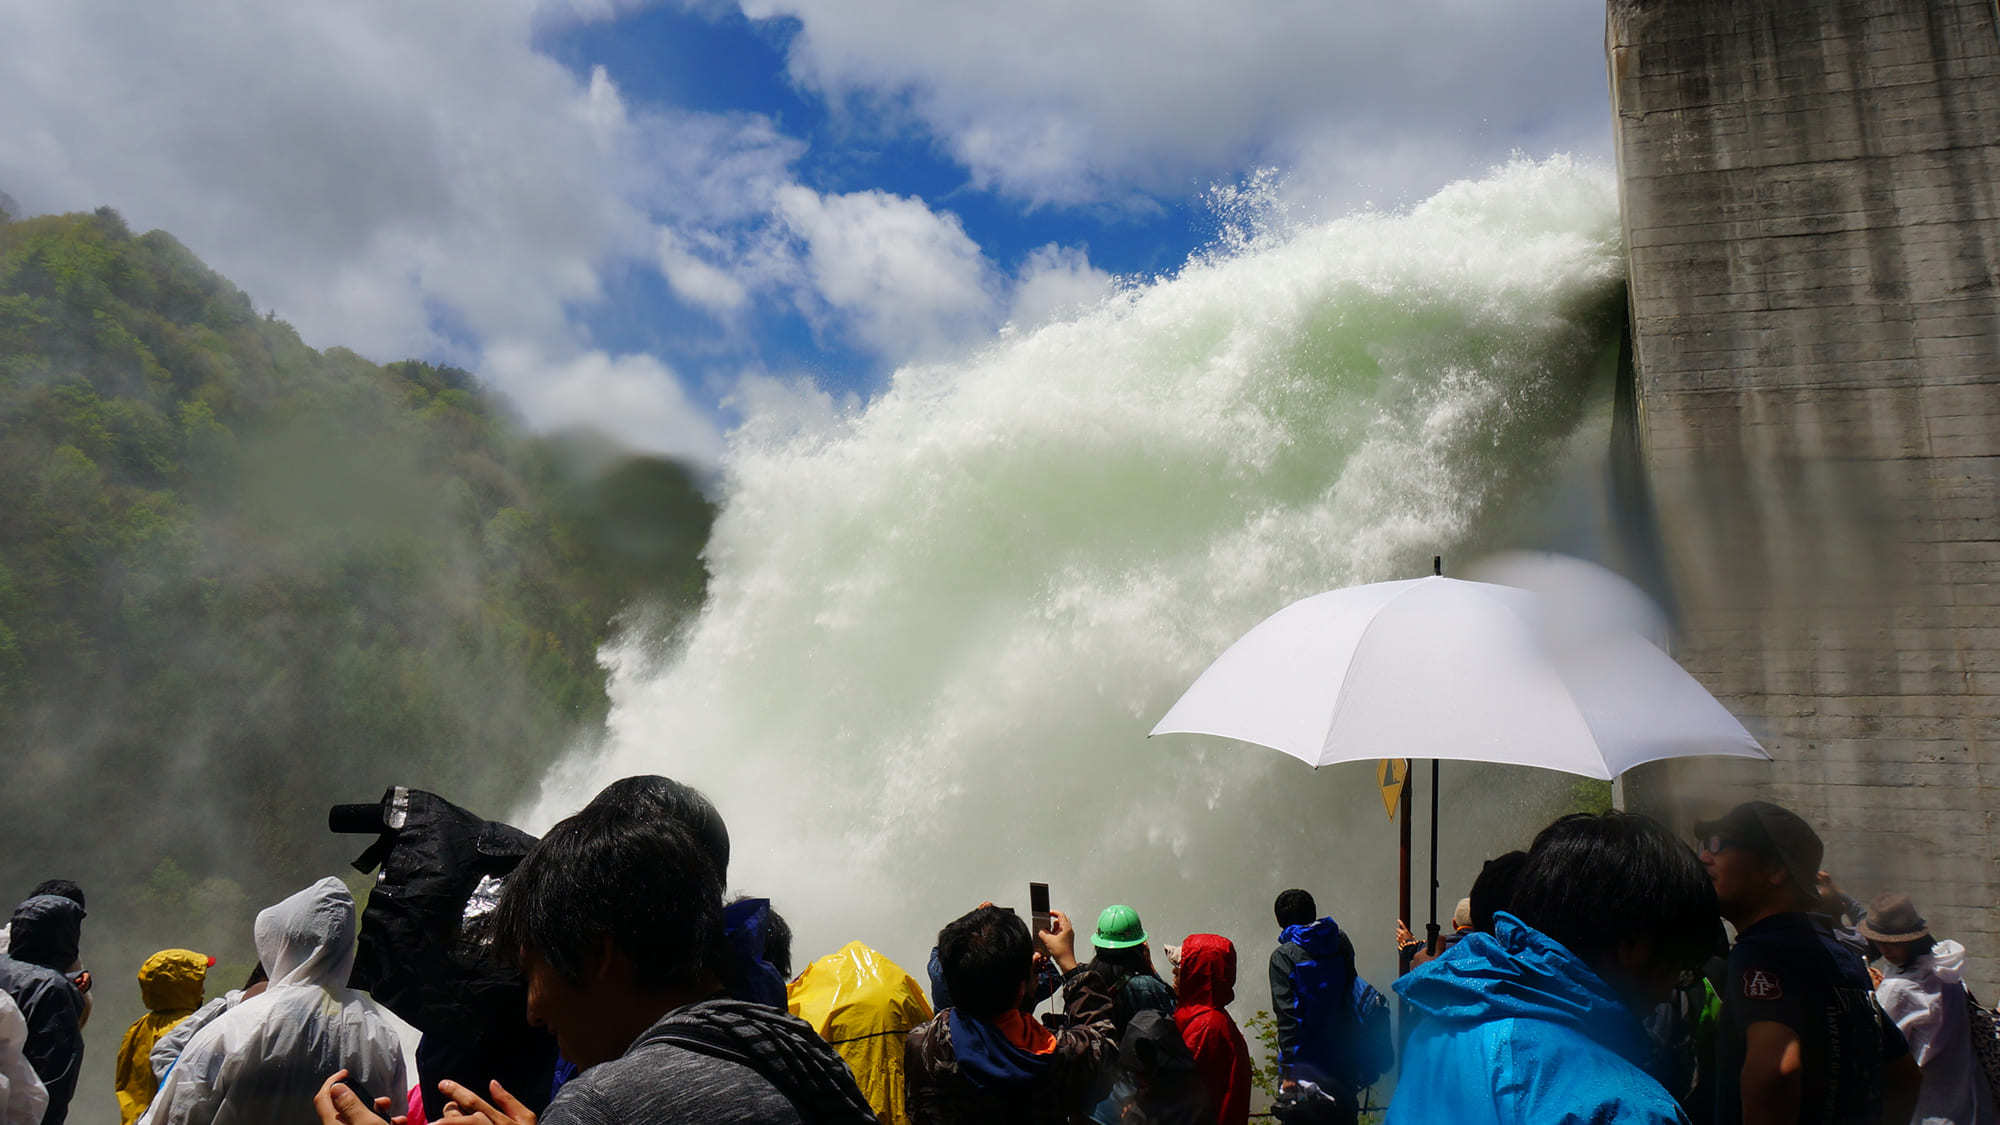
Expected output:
(261, 1062)
(22, 1095)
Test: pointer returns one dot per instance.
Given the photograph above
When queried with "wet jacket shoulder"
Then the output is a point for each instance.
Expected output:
(942, 1092)
(1516, 1029)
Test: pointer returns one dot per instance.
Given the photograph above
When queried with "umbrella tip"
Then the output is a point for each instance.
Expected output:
(1437, 564)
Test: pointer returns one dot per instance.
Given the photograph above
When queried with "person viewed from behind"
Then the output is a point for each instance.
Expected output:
(1333, 1027)
(23, 1098)
(1205, 980)
(1924, 991)
(1801, 1037)
(985, 1059)
(170, 985)
(259, 1062)
(44, 935)
(78, 975)
(864, 1005)
(615, 918)
(1493, 891)
(1124, 965)
(1539, 1021)
(1165, 1088)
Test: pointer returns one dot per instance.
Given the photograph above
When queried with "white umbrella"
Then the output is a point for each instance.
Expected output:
(1468, 671)
(1471, 671)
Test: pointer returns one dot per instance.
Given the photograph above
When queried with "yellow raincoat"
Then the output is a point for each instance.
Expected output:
(863, 1005)
(170, 982)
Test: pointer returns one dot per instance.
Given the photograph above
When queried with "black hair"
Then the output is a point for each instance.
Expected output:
(778, 943)
(61, 888)
(1493, 891)
(643, 882)
(652, 795)
(1593, 881)
(987, 956)
(257, 976)
(1117, 964)
(1295, 908)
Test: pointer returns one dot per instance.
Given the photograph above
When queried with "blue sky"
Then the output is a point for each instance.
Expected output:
(643, 215)
(722, 62)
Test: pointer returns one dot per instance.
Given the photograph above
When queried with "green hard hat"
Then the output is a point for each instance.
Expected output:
(1118, 928)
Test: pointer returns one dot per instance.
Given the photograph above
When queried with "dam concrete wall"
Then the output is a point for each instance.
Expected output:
(1811, 199)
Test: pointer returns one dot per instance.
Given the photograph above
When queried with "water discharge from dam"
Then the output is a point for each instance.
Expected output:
(939, 627)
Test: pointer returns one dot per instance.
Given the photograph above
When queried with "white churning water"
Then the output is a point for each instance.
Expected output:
(939, 629)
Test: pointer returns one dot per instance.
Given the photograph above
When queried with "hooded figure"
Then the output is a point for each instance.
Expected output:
(1313, 1002)
(45, 933)
(23, 1098)
(1205, 980)
(864, 1005)
(262, 1061)
(170, 984)
(1517, 1028)
(1166, 1089)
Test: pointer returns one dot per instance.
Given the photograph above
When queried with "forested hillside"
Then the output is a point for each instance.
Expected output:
(241, 580)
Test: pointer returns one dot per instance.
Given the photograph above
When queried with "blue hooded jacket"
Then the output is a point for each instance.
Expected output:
(1518, 1031)
(1312, 990)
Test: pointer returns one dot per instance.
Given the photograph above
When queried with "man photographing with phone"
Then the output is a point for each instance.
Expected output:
(986, 1058)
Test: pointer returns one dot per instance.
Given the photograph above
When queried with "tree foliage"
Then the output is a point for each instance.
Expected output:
(241, 579)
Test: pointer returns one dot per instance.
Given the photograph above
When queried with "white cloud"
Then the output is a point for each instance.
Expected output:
(698, 281)
(909, 281)
(404, 180)
(418, 180)
(1056, 101)
(408, 154)
(634, 398)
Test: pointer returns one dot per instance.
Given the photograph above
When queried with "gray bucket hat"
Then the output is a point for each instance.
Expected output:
(1894, 918)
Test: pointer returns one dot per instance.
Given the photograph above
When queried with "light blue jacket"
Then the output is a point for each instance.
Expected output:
(1517, 1031)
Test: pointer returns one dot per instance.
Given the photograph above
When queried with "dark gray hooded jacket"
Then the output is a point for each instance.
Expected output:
(45, 933)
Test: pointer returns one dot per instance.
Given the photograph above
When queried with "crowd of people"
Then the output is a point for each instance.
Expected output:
(1589, 978)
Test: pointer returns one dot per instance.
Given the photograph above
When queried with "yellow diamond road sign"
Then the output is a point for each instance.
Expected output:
(1390, 774)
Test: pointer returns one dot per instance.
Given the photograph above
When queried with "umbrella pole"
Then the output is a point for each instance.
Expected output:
(1431, 931)
(1403, 858)
(1403, 868)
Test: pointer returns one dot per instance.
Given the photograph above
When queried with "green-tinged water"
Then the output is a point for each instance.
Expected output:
(939, 627)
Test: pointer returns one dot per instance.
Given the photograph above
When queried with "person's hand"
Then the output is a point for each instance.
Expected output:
(1875, 976)
(1403, 935)
(468, 1107)
(1060, 941)
(1288, 1085)
(339, 1105)
(81, 980)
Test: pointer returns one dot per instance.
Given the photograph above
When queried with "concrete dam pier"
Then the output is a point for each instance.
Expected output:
(1811, 195)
